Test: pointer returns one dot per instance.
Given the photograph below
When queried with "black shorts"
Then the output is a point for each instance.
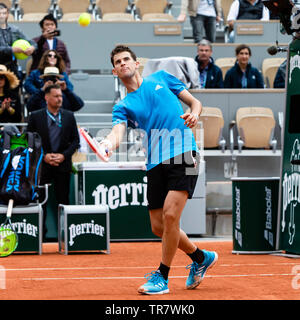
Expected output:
(179, 173)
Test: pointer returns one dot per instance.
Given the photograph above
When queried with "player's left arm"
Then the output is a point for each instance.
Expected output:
(192, 116)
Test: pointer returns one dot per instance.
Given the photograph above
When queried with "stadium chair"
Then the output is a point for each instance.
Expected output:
(152, 6)
(142, 62)
(225, 64)
(34, 10)
(70, 10)
(158, 17)
(269, 69)
(115, 10)
(117, 16)
(213, 123)
(255, 128)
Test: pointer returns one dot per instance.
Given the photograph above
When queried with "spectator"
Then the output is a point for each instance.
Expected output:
(50, 58)
(203, 16)
(51, 76)
(10, 106)
(210, 74)
(58, 130)
(49, 41)
(8, 35)
(242, 74)
(246, 9)
(279, 81)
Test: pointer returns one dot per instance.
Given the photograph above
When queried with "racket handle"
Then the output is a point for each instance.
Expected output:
(9, 208)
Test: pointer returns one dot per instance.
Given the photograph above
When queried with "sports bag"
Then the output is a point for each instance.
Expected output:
(20, 167)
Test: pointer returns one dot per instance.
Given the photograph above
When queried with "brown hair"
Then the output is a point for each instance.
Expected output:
(119, 49)
(60, 64)
(241, 47)
(50, 87)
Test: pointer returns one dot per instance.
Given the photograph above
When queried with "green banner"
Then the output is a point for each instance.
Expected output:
(125, 192)
(86, 232)
(27, 228)
(289, 222)
(254, 214)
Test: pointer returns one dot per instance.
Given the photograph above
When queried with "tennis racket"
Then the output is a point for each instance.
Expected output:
(8, 236)
(94, 145)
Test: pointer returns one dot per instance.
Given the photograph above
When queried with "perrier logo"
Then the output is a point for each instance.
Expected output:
(291, 194)
(76, 230)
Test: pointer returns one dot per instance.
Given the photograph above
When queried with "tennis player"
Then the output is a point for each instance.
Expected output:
(152, 105)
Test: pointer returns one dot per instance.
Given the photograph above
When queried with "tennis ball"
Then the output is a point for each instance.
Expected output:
(84, 19)
(23, 44)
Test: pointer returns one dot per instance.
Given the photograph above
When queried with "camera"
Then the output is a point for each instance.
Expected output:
(56, 33)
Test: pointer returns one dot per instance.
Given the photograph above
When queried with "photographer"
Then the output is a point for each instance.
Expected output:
(52, 76)
(49, 41)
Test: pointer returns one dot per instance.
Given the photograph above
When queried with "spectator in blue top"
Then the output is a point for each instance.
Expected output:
(242, 74)
(51, 58)
(210, 74)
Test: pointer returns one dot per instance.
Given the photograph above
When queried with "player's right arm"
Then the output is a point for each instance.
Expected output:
(114, 138)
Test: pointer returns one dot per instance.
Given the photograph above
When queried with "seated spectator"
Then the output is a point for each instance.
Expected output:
(210, 74)
(9, 34)
(50, 58)
(279, 81)
(49, 41)
(246, 9)
(10, 106)
(242, 74)
(51, 76)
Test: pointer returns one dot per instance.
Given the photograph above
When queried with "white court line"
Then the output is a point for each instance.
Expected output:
(144, 267)
(171, 277)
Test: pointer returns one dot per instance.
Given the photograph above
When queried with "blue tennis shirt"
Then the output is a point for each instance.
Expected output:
(155, 109)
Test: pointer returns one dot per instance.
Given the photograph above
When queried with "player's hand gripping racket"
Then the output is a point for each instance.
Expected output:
(100, 151)
(8, 236)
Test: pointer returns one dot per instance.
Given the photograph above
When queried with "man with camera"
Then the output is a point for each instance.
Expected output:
(49, 41)
(51, 75)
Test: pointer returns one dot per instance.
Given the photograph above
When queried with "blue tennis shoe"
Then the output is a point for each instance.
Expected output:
(197, 271)
(156, 284)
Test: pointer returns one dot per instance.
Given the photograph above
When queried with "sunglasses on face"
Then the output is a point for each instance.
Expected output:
(52, 55)
(2, 76)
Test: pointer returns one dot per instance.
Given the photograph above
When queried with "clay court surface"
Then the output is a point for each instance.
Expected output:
(118, 275)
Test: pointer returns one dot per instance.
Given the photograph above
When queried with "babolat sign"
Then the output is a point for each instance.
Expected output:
(27, 228)
(123, 188)
(254, 214)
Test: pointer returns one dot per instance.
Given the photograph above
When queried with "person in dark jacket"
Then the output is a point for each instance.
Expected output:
(10, 105)
(8, 35)
(242, 74)
(51, 76)
(210, 74)
(279, 81)
(48, 41)
(58, 130)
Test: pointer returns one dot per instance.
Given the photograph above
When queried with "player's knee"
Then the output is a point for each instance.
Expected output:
(157, 230)
(170, 219)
